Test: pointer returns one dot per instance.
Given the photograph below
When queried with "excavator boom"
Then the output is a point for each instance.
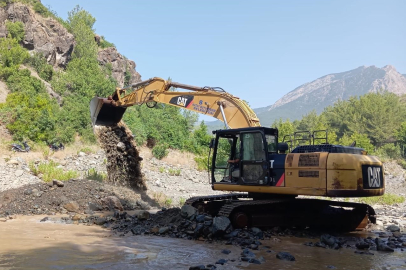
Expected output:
(215, 102)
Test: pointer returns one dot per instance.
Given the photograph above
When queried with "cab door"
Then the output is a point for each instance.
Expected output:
(254, 162)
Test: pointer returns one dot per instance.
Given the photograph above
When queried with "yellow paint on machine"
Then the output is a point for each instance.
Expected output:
(344, 175)
(319, 174)
(310, 163)
(271, 189)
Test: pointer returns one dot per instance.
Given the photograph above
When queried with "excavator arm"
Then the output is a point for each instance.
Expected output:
(234, 112)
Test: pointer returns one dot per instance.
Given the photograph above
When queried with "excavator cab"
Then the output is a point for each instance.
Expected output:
(242, 156)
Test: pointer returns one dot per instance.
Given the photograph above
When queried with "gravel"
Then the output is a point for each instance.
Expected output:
(15, 173)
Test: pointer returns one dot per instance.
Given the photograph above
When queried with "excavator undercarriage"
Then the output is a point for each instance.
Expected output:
(244, 210)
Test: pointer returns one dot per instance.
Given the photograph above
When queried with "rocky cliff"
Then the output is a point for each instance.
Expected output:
(43, 35)
(121, 66)
(49, 37)
(324, 91)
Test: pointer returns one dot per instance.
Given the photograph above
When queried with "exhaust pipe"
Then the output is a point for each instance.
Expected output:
(104, 112)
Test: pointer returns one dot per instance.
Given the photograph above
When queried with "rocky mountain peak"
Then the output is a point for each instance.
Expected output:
(326, 90)
(389, 68)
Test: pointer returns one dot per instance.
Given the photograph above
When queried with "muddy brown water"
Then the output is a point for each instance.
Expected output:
(25, 243)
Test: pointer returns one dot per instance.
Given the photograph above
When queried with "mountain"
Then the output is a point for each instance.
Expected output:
(324, 91)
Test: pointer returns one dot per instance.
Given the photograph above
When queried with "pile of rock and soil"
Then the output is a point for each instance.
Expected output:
(73, 196)
(123, 160)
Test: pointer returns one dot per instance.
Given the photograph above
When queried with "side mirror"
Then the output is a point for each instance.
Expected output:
(211, 145)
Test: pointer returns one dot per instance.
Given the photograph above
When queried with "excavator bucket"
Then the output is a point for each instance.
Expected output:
(102, 112)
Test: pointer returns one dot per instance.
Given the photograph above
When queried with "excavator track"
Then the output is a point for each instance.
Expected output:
(212, 203)
(286, 212)
(230, 196)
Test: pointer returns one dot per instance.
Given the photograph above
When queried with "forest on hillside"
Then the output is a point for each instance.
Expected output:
(31, 114)
(376, 121)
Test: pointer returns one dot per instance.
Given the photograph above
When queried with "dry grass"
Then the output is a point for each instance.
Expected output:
(162, 200)
(42, 151)
(386, 199)
(176, 157)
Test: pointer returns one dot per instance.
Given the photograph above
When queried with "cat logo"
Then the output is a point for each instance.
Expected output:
(374, 177)
(182, 101)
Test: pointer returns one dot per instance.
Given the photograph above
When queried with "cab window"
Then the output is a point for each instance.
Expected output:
(271, 143)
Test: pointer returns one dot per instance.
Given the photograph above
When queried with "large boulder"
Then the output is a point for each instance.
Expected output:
(71, 206)
(328, 240)
(285, 256)
(220, 225)
(112, 202)
(188, 211)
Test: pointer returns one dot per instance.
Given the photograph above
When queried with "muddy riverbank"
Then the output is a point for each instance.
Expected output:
(27, 243)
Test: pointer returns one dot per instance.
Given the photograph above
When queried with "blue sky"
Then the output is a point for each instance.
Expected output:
(256, 50)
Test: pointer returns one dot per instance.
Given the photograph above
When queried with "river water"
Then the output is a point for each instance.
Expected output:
(25, 243)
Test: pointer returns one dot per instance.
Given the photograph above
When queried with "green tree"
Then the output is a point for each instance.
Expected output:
(376, 115)
(284, 128)
(41, 9)
(32, 117)
(400, 133)
(80, 16)
(12, 55)
(361, 140)
(15, 30)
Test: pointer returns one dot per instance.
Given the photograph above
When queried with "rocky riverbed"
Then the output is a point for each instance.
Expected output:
(82, 201)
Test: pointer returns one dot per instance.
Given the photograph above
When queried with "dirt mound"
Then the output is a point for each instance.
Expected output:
(123, 160)
(75, 196)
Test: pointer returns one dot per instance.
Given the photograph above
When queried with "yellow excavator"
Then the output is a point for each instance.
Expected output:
(253, 162)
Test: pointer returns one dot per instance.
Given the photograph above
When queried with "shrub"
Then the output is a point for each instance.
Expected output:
(93, 174)
(41, 9)
(161, 199)
(390, 151)
(201, 162)
(160, 151)
(402, 163)
(15, 30)
(105, 44)
(86, 150)
(41, 66)
(12, 55)
(50, 171)
(174, 171)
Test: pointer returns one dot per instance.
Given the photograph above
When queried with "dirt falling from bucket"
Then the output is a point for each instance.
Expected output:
(123, 160)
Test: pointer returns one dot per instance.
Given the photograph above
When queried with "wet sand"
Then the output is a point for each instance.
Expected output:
(25, 243)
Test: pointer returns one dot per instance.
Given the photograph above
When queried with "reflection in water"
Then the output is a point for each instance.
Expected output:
(25, 243)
